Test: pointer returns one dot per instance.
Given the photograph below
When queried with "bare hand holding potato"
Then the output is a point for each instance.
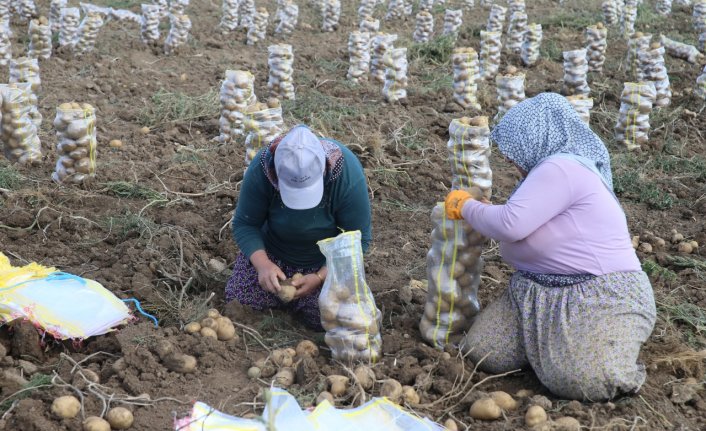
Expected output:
(268, 273)
(306, 285)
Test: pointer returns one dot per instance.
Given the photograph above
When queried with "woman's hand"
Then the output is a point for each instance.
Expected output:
(268, 273)
(310, 283)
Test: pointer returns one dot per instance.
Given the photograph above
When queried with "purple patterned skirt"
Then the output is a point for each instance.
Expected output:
(244, 287)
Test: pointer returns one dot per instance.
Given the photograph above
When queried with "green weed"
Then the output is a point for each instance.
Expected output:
(656, 270)
(436, 80)
(123, 189)
(129, 224)
(437, 51)
(575, 20)
(320, 110)
(691, 315)
(172, 107)
(630, 181)
(10, 178)
(551, 51)
(38, 381)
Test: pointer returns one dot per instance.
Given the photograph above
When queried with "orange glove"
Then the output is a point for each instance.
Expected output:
(454, 203)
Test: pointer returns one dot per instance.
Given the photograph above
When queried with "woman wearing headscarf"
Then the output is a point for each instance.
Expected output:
(579, 307)
(298, 190)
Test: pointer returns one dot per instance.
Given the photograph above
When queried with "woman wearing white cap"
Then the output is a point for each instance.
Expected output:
(298, 190)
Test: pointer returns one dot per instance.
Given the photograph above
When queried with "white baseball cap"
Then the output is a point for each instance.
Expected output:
(300, 163)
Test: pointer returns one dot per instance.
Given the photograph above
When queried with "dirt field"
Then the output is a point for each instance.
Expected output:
(154, 223)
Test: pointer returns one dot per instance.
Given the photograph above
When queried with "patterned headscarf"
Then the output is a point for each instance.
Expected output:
(547, 125)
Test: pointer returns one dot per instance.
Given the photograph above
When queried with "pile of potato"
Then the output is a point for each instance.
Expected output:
(628, 22)
(664, 7)
(516, 32)
(648, 241)
(700, 90)
(55, 7)
(465, 75)
(257, 31)
(19, 132)
(279, 60)
(39, 38)
(75, 126)
(88, 32)
(70, 18)
(637, 42)
(237, 93)
(369, 25)
(653, 69)
(359, 56)
(288, 16)
(633, 124)
(180, 25)
(575, 73)
(380, 44)
(287, 366)
(262, 124)
(331, 15)
(496, 19)
(395, 10)
(610, 12)
(117, 418)
(682, 50)
(229, 15)
(348, 311)
(213, 325)
(5, 48)
(149, 32)
(531, 44)
(453, 20)
(491, 46)
(424, 27)
(596, 44)
(395, 87)
(511, 90)
(582, 104)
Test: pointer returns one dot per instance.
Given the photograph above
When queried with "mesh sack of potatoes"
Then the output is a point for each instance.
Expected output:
(26, 70)
(149, 31)
(246, 11)
(453, 20)
(55, 7)
(653, 69)
(700, 89)
(229, 15)
(70, 19)
(610, 12)
(178, 7)
(582, 104)
(511, 90)
(75, 126)
(348, 311)
(237, 93)
(39, 38)
(5, 49)
(426, 5)
(408, 7)
(575, 73)
(87, 32)
(424, 27)
(331, 15)
(180, 25)
(491, 46)
(258, 29)
(379, 45)
(280, 60)
(628, 22)
(395, 10)
(395, 87)
(496, 18)
(637, 42)
(454, 262)
(516, 6)
(287, 19)
(366, 8)
(698, 15)
(466, 72)
(369, 24)
(163, 7)
(516, 32)
(530, 45)
(19, 133)
(702, 42)
(359, 56)
(633, 126)
(596, 37)
(27, 9)
(664, 7)
(681, 50)
(262, 124)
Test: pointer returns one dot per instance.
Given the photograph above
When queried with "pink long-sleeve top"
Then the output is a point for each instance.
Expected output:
(562, 220)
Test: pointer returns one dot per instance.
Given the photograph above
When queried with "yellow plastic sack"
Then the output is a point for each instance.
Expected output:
(283, 413)
(63, 305)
